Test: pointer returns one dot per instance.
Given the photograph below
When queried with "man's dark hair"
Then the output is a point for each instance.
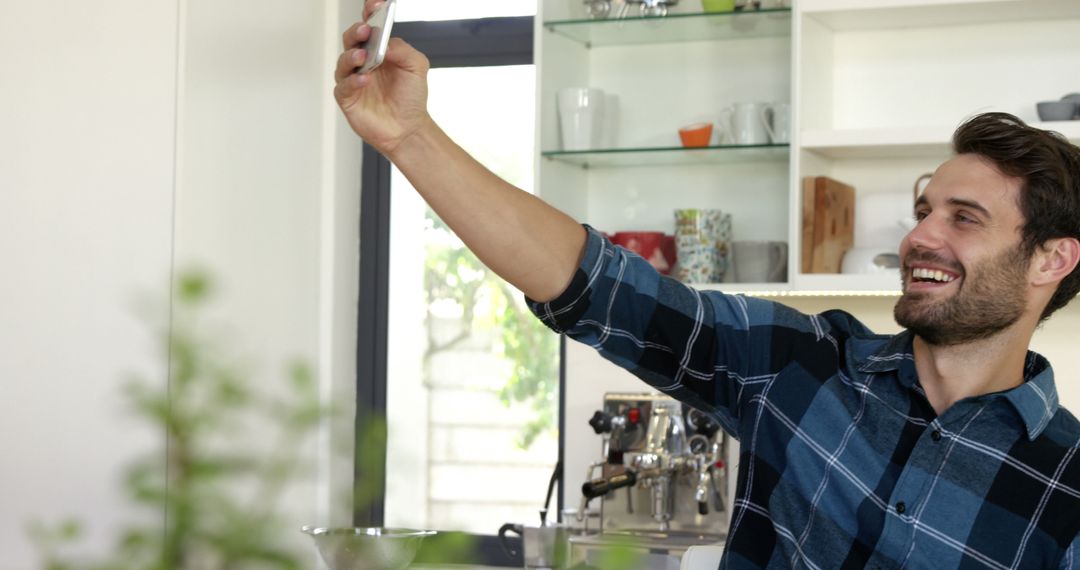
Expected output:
(1049, 166)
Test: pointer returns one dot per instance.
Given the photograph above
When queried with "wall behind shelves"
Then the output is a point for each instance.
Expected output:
(938, 76)
(645, 198)
(667, 86)
(660, 88)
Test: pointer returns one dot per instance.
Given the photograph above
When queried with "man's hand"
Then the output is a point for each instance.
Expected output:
(530, 244)
(388, 105)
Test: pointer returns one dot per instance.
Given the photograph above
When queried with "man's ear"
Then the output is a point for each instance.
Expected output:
(1055, 260)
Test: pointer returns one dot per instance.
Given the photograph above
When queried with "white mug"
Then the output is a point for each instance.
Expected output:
(581, 117)
(777, 120)
(760, 261)
(745, 123)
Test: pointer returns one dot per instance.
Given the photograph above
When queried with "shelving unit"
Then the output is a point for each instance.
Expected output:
(892, 142)
(671, 156)
(689, 27)
(876, 285)
(866, 15)
(666, 73)
(876, 87)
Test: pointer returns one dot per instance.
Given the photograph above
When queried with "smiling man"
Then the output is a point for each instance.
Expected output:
(941, 447)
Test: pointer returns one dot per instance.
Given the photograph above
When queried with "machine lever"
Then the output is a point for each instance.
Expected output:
(601, 487)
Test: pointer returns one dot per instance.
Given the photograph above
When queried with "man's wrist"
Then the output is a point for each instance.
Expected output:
(419, 138)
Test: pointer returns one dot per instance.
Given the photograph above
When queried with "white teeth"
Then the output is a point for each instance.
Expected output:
(939, 276)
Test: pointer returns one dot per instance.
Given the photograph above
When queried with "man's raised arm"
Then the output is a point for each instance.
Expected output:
(530, 244)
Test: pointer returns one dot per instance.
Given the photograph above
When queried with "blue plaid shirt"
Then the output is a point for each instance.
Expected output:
(843, 462)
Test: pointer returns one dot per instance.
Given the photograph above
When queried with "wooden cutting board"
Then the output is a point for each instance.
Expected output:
(828, 223)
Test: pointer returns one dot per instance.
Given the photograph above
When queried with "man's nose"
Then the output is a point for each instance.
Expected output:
(927, 234)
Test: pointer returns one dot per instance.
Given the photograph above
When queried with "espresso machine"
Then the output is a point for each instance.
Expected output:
(662, 480)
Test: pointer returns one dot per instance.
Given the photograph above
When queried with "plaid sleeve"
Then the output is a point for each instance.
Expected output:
(1069, 560)
(705, 348)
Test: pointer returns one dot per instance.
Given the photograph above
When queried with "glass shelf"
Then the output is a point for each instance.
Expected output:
(845, 15)
(723, 154)
(775, 22)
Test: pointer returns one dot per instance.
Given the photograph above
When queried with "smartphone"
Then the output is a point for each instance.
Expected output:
(381, 21)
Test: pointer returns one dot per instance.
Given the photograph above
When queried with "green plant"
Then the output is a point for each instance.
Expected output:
(219, 484)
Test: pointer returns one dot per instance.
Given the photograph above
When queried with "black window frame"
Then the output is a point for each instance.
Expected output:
(458, 43)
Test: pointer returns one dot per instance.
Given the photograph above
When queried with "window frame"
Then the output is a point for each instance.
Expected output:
(478, 42)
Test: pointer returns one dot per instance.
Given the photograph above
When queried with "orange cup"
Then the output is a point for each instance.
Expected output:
(696, 135)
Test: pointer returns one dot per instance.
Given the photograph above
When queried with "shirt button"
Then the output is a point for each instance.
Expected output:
(936, 435)
(901, 507)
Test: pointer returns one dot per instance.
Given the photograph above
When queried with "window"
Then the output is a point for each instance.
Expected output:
(468, 381)
(432, 10)
(472, 377)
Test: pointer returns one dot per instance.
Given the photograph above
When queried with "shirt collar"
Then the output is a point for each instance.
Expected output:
(1036, 400)
(873, 356)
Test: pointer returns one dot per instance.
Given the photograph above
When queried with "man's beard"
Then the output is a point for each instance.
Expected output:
(990, 299)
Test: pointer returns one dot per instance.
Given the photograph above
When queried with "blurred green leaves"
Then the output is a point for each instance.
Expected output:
(230, 448)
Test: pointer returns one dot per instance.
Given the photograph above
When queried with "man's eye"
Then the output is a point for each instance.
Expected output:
(964, 218)
(920, 215)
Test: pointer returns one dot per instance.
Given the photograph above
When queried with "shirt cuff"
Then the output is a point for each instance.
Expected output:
(563, 312)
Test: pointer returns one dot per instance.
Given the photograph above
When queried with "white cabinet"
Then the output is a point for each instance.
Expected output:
(877, 88)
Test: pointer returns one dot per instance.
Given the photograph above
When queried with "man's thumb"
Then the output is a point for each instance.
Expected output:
(403, 55)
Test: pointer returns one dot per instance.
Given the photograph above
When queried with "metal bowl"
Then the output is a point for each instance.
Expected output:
(367, 548)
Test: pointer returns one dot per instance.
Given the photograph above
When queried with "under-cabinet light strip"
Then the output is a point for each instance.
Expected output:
(821, 293)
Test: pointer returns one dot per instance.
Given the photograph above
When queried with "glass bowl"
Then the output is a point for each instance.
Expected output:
(374, 548)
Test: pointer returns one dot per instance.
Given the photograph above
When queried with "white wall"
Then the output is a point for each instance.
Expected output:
(268, 201)
(87, 105)
(265, 178)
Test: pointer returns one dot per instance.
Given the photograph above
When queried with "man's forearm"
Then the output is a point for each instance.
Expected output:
(527, 242)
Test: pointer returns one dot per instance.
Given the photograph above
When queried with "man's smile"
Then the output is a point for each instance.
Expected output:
(929, 278)
(922, 277)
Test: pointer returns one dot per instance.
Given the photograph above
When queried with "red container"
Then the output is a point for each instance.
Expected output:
(658, 249)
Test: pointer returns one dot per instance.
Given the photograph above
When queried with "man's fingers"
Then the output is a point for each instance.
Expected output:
(348, 39)
(346, 88)
(348, 61)
(370, 6)
(357, 34)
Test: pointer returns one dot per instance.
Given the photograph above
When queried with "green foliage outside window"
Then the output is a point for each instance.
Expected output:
(453, 274)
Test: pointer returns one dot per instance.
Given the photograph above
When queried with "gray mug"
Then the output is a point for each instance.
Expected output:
(760, 261)
(542, 546)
